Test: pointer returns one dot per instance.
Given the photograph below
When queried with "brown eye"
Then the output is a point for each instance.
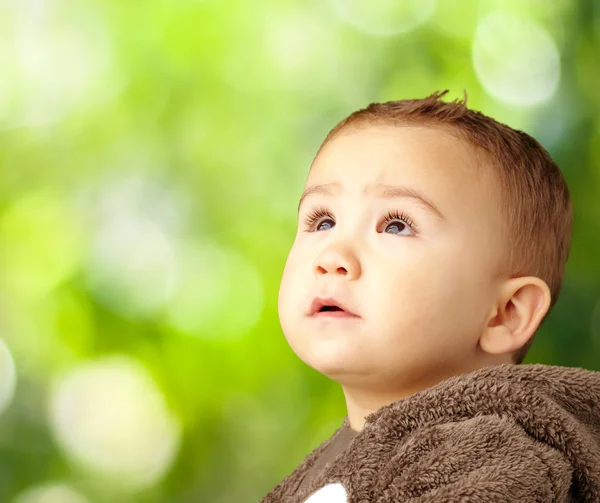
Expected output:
(313, 218)
(399, 221)
(394, 219)
(321, 222)
(399, 226)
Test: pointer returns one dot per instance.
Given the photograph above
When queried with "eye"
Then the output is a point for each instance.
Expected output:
(316, 217)
(316, 214)
(395, 216)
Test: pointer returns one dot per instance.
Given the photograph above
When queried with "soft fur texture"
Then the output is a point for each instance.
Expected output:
(506, 433)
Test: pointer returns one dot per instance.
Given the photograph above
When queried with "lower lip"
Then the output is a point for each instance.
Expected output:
(334, 314)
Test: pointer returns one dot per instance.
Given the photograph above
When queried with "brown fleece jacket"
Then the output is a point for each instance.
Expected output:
(505, 433)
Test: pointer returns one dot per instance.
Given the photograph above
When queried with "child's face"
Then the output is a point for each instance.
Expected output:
(423, 299)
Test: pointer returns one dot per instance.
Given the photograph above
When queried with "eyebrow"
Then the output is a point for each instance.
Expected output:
(382, 190)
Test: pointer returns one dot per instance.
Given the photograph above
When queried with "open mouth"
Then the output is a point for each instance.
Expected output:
(333, 312)
(330, 308)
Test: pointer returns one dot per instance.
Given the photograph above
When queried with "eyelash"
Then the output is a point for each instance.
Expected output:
(318, 212)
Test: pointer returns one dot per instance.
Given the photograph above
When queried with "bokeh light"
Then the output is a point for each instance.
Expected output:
(109, 417)
(135, 224)
(59, 55)
(385, 17)
(516, 59)
(42, 242)
(219, 293)
(50, 493)
(294, 39)
(8, 377)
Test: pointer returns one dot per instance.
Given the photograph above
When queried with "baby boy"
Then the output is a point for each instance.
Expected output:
(431, 244)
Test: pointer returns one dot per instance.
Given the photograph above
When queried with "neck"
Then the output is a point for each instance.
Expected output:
(362, 401)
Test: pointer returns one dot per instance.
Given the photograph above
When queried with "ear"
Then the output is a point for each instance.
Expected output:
(519, 310)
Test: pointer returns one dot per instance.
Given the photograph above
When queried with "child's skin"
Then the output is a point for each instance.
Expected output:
(430, 305)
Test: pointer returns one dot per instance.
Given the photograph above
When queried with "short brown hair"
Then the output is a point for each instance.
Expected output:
(537, 209)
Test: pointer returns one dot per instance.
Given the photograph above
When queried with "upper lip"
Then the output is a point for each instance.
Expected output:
(319, 302)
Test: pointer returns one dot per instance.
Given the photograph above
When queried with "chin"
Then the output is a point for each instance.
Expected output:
(331, 359)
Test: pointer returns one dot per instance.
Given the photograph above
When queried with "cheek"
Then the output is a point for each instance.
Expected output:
(449, 293)
(419, 289)
(285, 288)
(290, 288)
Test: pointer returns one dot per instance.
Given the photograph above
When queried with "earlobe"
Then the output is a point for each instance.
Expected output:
(517, 315)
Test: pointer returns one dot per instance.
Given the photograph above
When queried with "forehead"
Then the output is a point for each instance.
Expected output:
(430, 160)
(382, 154)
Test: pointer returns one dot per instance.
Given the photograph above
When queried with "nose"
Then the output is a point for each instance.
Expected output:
(335, 260)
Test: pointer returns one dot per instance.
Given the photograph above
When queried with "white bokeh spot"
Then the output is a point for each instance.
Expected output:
(8, 377)
(109, 417)
(385, 17)
(516, 59)
(131, 266)
(219, 293)
(50, 493)
(294, 39)
(332, 493)
(55, 55)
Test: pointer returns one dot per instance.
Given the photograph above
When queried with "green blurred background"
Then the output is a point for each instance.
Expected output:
(151, 159)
